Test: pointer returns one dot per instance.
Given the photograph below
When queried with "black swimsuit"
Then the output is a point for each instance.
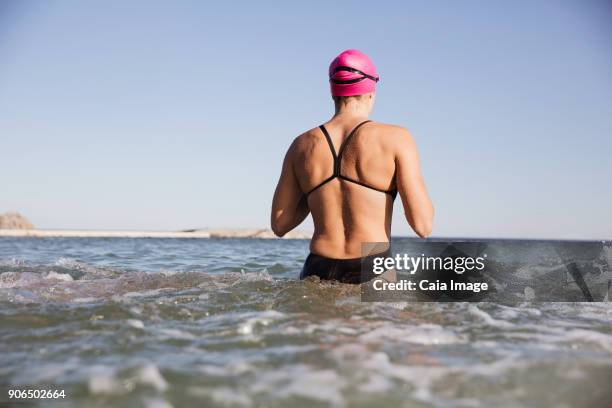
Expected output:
(342, 270)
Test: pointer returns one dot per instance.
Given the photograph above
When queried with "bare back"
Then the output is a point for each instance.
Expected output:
(345, 213)
(350, 202)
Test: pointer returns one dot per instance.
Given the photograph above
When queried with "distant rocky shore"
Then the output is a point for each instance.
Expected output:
(14, 220)
(254, 233)
(13, 224)
(197, 233)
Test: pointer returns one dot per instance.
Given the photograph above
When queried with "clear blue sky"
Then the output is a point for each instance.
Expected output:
(176, 114)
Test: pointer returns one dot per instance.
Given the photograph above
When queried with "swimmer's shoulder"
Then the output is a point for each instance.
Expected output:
(306, 141)
(393, 136)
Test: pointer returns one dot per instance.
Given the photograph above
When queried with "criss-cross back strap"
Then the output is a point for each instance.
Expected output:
(338, 160)
(346, 141)
(338, 156)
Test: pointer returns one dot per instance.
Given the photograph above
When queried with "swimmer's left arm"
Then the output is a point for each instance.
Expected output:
(289, 206)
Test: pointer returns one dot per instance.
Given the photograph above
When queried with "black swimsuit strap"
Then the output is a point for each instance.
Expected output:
(329, 141)
(338, 161)
(363, 184)
(333, 151)
(347, 140)
(338, 156)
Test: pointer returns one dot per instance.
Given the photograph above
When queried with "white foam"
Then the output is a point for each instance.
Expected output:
(353, 356)
(85, 300)
(168, 272)
(176, 334)
(9, 279)
(261, 319)
(11, 262)
(223, 396)
(487, 318)
(59, 276)
(303, 381)
(347, 330)
(144, 293)
(149, 375)
(137, 310)
(330, 326)
(102, 380)
(74, 264)
(231, 369)
(601, 339)
(256, 276)
(135, 323)
(390, 305)
(419, 334)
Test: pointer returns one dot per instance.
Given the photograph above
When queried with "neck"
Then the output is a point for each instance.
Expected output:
(352, 110)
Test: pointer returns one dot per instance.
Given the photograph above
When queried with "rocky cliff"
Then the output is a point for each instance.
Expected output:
(14, 220)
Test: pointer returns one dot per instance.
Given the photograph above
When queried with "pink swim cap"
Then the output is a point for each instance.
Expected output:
(352, 73)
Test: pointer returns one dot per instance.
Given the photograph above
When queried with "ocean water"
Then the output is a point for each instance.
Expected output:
(224, 322)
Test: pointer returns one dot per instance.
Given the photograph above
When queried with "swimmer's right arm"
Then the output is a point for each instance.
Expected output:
(411, 186)
(289, 205)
